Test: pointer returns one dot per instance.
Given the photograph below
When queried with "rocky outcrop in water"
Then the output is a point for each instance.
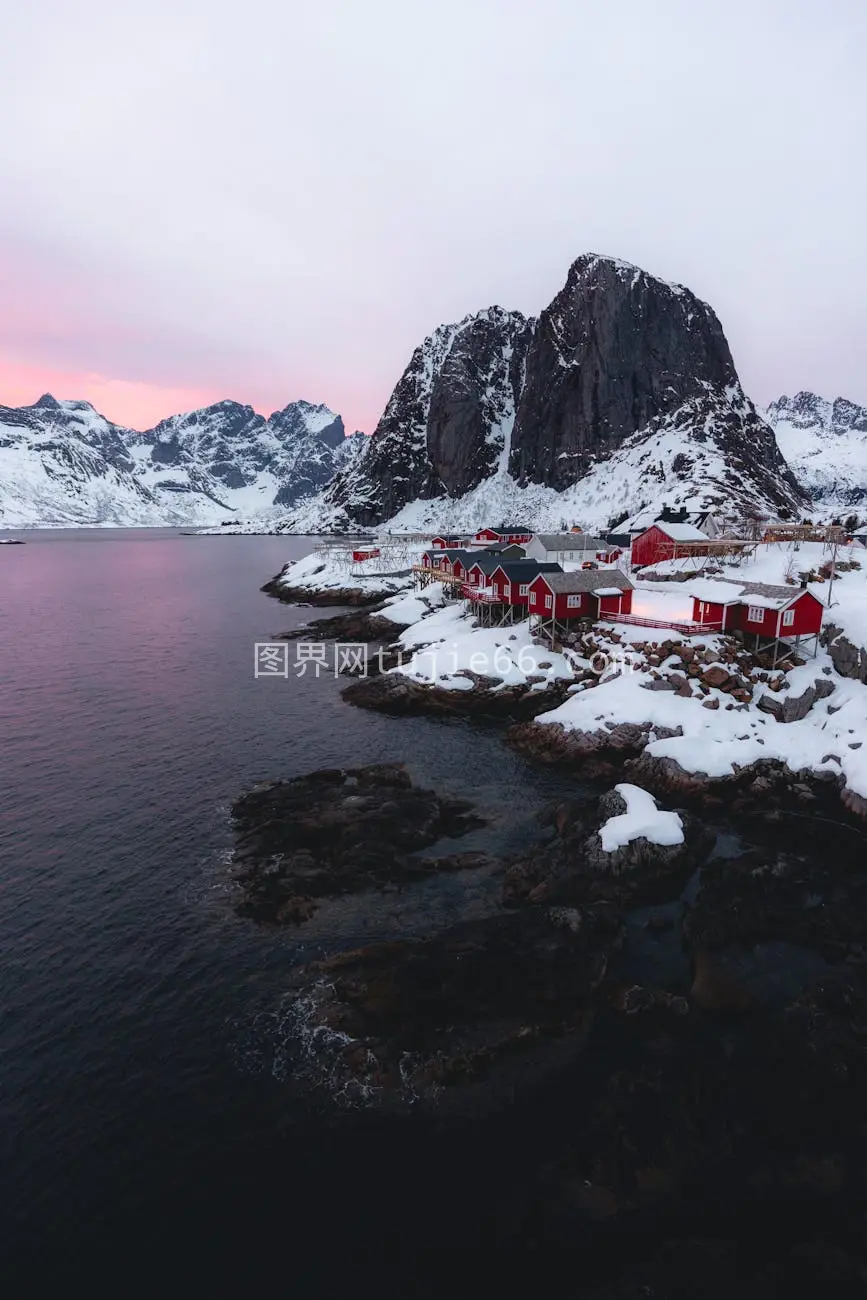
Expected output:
(574, 868)
(419, 1017)
(337, 832)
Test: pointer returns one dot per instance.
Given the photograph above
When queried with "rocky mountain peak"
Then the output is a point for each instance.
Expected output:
(616, 349)
(619, 360)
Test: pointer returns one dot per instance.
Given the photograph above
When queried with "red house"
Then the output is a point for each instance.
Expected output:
(478, 573)
(757, 609)
(593, 594)
(512, 578)
(449, 541)
(660, 542)
(506, 533)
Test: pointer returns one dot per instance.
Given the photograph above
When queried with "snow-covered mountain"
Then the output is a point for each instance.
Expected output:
(623, 393)
(63, 463)
(825, 443)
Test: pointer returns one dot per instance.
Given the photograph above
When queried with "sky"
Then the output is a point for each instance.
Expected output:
(275, 200)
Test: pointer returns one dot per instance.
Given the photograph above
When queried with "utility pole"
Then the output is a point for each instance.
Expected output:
(833, 573)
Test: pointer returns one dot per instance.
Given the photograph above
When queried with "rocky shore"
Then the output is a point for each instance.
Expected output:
(400, 697)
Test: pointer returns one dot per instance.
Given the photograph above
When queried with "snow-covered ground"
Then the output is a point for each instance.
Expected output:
(332, 569)
(445, 646)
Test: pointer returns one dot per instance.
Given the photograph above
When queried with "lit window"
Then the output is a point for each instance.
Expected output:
(788, 617)
(755, 614)
(507, 591)
(532, 597)
(524, 588)
(547, 602)
(574, 602)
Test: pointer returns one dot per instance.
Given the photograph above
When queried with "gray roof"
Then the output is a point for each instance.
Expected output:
(587, 580)
(570, 542)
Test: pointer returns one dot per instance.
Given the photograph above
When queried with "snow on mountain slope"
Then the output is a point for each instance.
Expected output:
(63, 463)
(825, 444)
(623, 393)
(703, 456)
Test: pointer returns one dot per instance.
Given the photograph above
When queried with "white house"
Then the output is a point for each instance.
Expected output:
(560, 548)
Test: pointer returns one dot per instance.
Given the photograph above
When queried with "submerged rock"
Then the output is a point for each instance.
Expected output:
(416, 1017)
(337, 832)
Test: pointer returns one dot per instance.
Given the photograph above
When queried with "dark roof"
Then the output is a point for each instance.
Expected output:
(587, 580)
(453, 537)
(509, 528)
(502, 548)
(527, 569)
(618, 539)
(487, 563)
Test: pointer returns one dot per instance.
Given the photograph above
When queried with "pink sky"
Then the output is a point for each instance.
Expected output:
(181, 220)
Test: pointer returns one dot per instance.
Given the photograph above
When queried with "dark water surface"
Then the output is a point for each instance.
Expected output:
(138, 1107)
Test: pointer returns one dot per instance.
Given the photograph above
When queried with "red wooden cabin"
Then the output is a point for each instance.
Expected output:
(512, 578)
(599, 593)
(506, 533)
(450, 541)
(758, 609)
(659, 542)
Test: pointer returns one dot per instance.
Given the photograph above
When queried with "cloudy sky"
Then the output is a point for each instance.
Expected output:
(271, 200)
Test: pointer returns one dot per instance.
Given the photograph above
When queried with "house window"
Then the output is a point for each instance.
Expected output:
(507, 591)
(532, 597)
(573, 602)
(524, 588)
(755, 614)
(547, 602)
(788, 617)
(474, 577)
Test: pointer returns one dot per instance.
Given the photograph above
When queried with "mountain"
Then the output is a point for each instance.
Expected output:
(622, 392)
(63, 463)
(447, 422)
(825, 442)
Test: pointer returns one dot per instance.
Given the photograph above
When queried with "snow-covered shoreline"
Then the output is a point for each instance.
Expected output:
(702, 710)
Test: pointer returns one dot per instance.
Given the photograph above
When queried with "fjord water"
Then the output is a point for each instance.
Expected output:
(138, 1104)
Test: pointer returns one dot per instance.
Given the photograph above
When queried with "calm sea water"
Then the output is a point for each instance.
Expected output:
(139, 1106)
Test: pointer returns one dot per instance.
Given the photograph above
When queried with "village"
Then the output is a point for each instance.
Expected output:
(687, 574)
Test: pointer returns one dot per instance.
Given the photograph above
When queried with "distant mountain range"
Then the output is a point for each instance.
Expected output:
(61, 463)
(620, 396)
(825, 443)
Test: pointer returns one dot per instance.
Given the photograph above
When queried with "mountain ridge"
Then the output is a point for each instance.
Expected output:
(61, 462)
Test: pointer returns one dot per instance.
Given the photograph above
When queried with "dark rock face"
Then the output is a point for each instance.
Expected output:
(446, 422)
(616, 349)
(336, 832)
